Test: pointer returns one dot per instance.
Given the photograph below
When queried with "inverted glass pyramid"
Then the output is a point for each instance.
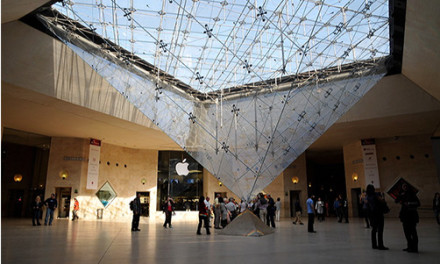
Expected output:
(249, 107)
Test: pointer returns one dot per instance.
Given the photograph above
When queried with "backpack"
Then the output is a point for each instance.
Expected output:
(132, 205)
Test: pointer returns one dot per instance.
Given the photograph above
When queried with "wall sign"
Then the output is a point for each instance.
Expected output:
(93, 169)
(371, 169)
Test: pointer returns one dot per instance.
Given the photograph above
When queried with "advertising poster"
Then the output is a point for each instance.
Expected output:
(397, 188)
(93, 168)
(370, 163)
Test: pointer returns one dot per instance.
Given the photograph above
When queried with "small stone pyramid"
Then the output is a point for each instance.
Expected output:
(246, 224)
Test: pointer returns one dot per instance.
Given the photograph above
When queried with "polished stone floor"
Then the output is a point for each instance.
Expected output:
(106, 242)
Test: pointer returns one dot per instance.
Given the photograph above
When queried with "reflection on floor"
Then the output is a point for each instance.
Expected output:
(105, 242)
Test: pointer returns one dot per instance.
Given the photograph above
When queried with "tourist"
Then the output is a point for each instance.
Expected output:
(203, 216)
(311, 213)
(298, 213)
(168, 209)
(278, 209)
(36, 210)
(75, 209)
(137, 211)
(270, 218)
(364, 204)
(319, 207)
(51, 204)
(409, 217)
(376, 207)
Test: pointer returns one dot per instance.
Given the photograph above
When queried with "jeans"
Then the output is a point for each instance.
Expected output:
(49, 213)
(217, 217)
(411, 236)
(75, 215)
(168, 215)
(263, 215)
(205, 219)
(135, 222)
(36, 216)
(377, 223)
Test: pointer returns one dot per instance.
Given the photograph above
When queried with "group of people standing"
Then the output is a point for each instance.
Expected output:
(376, 208)
(51, 204)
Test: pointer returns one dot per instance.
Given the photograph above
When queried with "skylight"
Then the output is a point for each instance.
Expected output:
(215, 45)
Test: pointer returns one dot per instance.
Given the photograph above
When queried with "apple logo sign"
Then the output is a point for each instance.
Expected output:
(182, 168)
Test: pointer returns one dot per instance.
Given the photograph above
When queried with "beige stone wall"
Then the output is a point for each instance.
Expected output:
(211, 185)
(296, 169)
(125, 180)
(353, 163)
(409, 157)
(419, 171)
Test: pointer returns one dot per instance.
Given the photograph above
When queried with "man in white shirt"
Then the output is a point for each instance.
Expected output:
(217, 212)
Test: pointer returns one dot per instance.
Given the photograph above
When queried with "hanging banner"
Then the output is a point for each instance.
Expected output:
(371, 169)
(93, 169)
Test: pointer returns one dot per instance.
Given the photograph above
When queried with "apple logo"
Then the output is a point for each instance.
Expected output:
(182, 168)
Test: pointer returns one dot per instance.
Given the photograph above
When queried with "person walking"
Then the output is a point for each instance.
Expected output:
(298, 213)
(436, 206)
(137, 211)
(223, 212)
(278, 209)
(168, 209)
(337, 207)
(75, 209)
(37, 206)
(51, 204)
(270, 211)
(262, 207)
(319, 207)
(217, 212)
(376, 207)
(203, 216)
(409, 217)
(311, 213)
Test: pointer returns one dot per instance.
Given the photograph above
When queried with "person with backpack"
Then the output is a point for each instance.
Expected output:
(135, 206)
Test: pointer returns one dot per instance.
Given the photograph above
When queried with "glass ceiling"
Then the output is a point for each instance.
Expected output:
(262, 80)
(215, 45)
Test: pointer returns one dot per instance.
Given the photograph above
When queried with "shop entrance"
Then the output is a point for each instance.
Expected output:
(63, 195)
(145, 203)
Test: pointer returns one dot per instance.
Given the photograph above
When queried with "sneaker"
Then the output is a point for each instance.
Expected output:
(294, 223)
(301, 223)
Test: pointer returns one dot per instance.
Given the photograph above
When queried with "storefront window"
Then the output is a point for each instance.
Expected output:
(180, 177)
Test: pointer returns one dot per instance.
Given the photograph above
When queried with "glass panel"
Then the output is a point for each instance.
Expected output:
(245, 105)
(180, 177)
(106, 194)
